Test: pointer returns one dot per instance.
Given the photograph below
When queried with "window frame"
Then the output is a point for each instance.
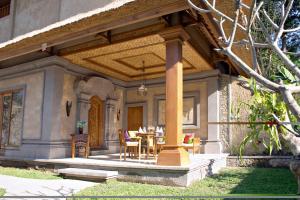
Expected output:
(196, 114)
(5, 9)
(6, 93)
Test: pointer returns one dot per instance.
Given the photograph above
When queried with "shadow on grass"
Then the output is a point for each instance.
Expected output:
(265, 181)
(230, 181)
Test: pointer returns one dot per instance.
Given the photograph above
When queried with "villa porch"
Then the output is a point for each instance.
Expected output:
(95, 78)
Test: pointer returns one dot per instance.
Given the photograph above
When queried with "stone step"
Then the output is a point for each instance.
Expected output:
(88, 174)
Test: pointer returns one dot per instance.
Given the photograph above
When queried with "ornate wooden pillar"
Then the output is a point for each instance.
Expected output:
(173, 154)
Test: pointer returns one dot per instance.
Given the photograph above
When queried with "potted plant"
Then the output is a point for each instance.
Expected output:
(80, 126)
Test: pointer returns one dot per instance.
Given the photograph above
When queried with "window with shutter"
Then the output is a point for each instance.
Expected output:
(4, 8)
(11, 117)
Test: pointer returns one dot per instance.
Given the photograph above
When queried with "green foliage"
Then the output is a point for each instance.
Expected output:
(262, 107)
(2, 192)
(81, 124)
(28, 173)
(229, 181)
(270, 63)
(285, 75)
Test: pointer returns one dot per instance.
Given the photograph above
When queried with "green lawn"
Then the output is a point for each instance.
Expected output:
(2, 192)
(230, 181)
(28, 173)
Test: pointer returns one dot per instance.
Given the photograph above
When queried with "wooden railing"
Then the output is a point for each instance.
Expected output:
(4, 10)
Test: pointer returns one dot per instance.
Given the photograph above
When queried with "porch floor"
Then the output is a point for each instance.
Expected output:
(112, 160)
(133, 170)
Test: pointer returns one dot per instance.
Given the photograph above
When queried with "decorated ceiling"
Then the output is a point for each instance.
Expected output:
(124, 60)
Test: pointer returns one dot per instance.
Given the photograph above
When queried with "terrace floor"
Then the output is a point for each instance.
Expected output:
(112, 160)
(145, 171)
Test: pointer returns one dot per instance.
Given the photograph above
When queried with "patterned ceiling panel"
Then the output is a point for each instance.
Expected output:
(125, 60)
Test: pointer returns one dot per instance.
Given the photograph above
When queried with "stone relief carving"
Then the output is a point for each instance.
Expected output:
(86, 88)
(92, 86)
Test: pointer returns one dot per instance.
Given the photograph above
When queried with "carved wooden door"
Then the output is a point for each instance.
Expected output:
(134, 118)
(96, 123)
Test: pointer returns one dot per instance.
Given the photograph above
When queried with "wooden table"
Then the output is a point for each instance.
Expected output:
(148, 137)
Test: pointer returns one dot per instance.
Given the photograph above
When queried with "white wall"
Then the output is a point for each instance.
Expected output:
(68, 123)
(29, 15)
(34, 14)
(72, 7)
(5, 28)
(199, 87)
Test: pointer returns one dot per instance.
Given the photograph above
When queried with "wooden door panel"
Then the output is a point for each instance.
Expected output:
(96, 122)
(134, 117)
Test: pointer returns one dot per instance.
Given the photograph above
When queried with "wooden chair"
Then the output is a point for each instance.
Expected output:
(80, 140)
(135, 143)
(159, 143)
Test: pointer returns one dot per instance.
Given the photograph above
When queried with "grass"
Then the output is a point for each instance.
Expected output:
(230, 181)
(28, 173)
(2, 192)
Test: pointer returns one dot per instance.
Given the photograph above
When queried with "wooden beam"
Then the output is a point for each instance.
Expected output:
(21, 47)
(114, 39)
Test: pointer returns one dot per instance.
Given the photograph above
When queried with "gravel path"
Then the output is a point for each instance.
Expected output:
(16, 186)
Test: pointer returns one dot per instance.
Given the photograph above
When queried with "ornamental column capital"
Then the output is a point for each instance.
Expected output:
(174, 33)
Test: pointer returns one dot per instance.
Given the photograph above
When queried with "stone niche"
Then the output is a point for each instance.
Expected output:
(106, 91)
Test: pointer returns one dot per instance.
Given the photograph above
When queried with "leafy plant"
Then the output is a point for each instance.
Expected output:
(261, 121)
(81, 124)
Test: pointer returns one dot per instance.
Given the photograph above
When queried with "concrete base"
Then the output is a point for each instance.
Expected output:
(144, 171)
(88, 174)
(213, 147)
(39, 151)
(173, 157)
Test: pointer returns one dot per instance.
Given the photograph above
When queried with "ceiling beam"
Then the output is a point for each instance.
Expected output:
(113, 39)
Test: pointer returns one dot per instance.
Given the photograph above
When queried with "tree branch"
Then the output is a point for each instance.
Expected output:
(291, 30)
(274, 46)
(290, 137)
(290, 101)
(249, 71)
(197, 8)
(213, 9)
(286, 125)
(256, 45)
(275, 26)
(254, 14)
(288, 63)
(235, 23)
(282, 21)
(223, 34)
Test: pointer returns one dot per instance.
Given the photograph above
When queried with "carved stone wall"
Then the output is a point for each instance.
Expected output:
(107, 92)
(232, 109)
(224, 88)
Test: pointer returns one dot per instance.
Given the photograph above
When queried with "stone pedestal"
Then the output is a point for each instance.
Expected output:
(173, 157)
